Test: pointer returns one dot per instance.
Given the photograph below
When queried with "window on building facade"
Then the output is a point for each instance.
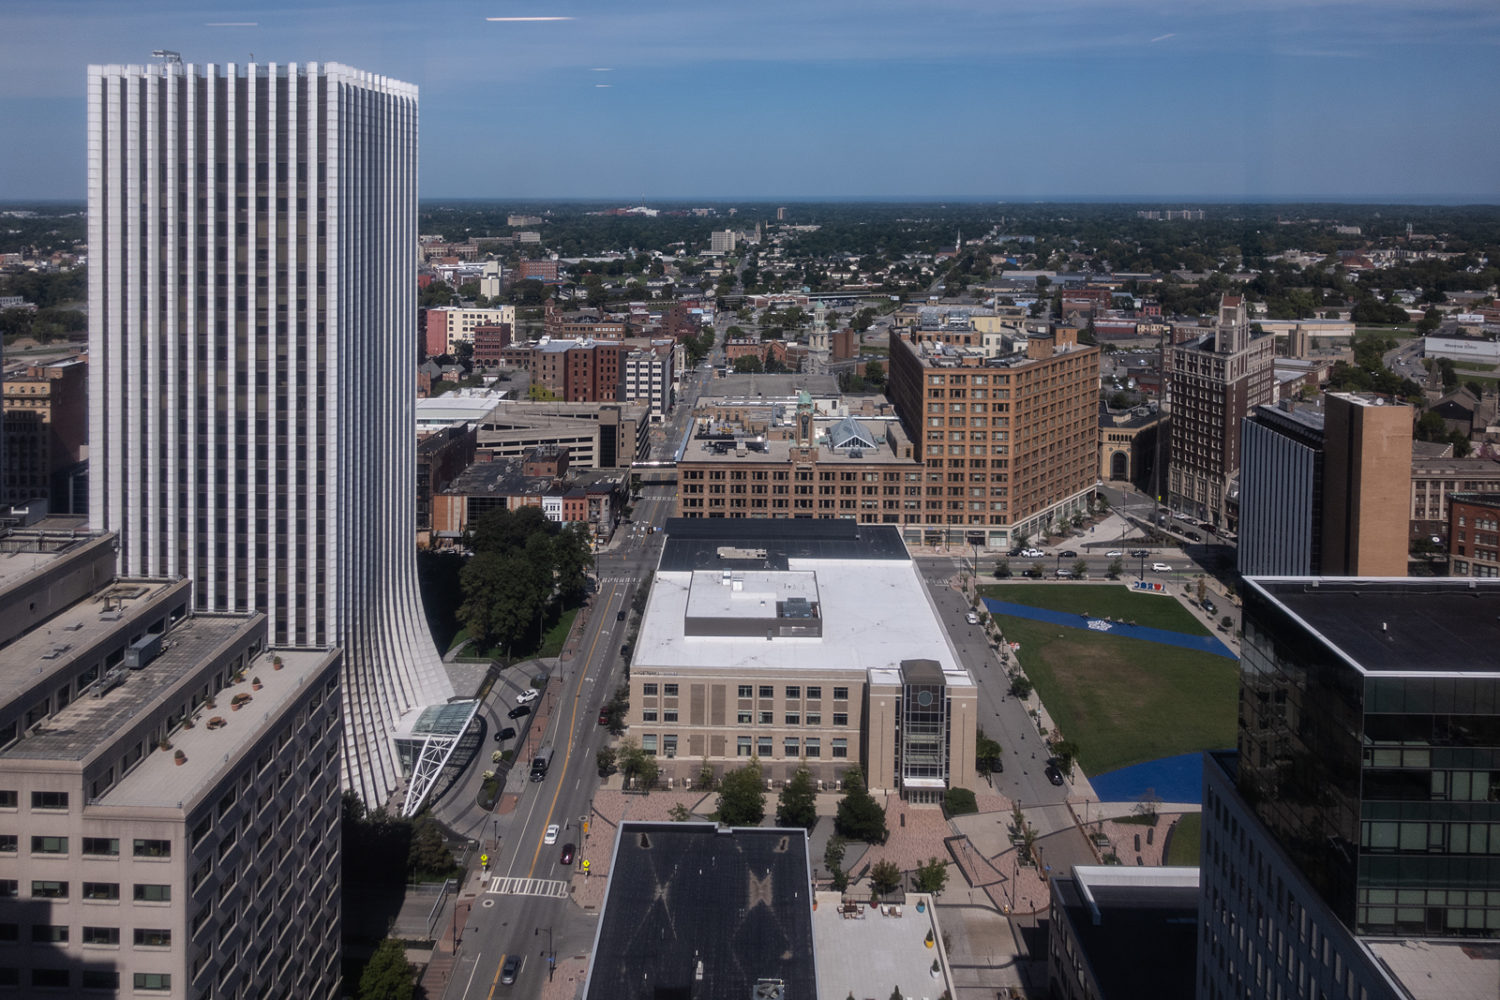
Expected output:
(841, 748)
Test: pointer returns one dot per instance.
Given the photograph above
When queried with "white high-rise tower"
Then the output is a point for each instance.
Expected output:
(252, 235)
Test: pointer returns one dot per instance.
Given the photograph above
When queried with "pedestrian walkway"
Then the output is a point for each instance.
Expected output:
(1200, 643)
(555, 888)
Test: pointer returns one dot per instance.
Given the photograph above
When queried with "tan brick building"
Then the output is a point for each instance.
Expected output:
(46, 428)
(1008, 443)
(800, 641)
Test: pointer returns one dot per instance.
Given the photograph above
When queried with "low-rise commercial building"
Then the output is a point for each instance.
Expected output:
(1474, 534)
(800, 642)
(45, 434)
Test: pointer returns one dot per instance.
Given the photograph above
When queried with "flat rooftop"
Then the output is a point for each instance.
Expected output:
(1397, 625)
(873, 607)
(88, 723)
(868, 951)
(161, 782)
(695, 911)
(1135, 921)
(32, 549)
(1431, 969)
(57, 642)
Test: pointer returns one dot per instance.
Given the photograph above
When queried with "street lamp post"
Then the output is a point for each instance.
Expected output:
(551, 955)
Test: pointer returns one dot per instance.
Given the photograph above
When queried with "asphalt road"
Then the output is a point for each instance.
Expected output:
(536, 927)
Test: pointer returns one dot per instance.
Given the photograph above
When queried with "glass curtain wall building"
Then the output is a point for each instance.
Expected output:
(251, 300)
(1370, 746)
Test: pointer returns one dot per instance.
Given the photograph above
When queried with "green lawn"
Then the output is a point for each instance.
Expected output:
(1187, 841)
(1102, 601)
(1127, 701)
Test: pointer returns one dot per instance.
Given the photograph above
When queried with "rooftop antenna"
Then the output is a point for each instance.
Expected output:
(172, 58)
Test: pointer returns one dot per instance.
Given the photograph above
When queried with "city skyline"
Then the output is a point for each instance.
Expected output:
(1279, 101)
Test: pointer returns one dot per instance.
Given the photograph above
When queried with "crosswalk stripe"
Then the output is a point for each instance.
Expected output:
(556, 888)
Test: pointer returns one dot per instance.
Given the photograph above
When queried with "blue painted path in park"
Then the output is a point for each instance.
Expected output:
(1201, 643)
(1170, 779)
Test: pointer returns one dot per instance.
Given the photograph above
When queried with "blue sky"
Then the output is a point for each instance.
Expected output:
(667, 99)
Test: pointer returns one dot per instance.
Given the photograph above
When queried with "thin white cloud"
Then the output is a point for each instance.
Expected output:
(232, 24)
(603, 86)
(602, 69)
(528, 19)
(1163, 38)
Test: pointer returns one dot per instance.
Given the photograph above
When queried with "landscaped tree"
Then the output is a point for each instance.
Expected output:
(885, 877)
(748, 364)
(798, 802)
(1020, 686)
(429, 857)
(388, 975)
(1202, 589)
(987, 755)
(1066, 752)
(742, 796)
(859, 816)
(931, 876)
(605, 758)
(959, 802)
(1002, 569)
(1080, 569)
(1116, 568)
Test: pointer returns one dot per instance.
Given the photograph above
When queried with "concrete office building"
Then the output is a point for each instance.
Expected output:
(1010, 444)
(1351, 848)
(1325, 490)
(158, 840)
(251, 273)
(1215, 375)
(646, 377)
(800, 640)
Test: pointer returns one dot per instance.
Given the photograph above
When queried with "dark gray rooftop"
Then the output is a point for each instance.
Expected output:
(682, 893)
(1145, 944)
(1400, 625)
(698, 543)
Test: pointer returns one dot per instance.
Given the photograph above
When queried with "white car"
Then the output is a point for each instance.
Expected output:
(528, 696)
(1113, 554)
(550, 837)
(1032, 553)
(972, 618)
(1160, 568)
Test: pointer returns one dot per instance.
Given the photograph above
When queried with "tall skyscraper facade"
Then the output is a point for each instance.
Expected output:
(252, 232)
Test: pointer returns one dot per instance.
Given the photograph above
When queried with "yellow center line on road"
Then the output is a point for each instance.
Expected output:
(563, 774)
(572, 722)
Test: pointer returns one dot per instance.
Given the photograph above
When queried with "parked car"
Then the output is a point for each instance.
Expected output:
(1054, 775)
(505, 734)
(550, 837)
(520, 711)
(1032, 553)
(566, 857)
(1139, 553)
(510, 970)
(620, 615)
(1209, 606)
(528, 696)
(1069, 554)
(1113, 554)
(972, 618)
(604, 716)
(1193, 536)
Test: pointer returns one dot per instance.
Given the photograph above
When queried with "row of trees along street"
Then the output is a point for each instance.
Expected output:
(525, 571)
